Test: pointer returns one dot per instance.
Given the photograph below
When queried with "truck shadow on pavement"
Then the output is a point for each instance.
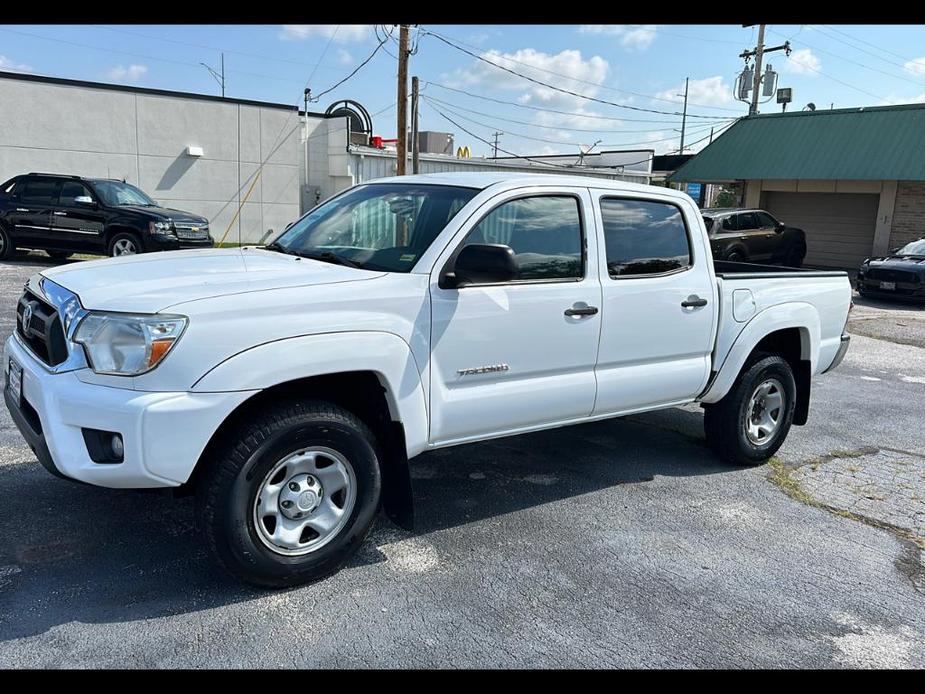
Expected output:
(76, 553)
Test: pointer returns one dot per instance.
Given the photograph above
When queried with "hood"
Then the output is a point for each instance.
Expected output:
(152, 282)
(158, 211)
(898, 262)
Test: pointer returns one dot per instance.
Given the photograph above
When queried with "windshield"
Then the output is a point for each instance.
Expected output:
(119, 193)
(383, 226)
(914, 248)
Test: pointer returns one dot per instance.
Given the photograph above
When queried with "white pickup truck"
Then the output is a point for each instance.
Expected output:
(289, 385)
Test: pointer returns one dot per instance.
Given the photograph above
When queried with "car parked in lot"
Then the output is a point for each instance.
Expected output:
(63, 215)
(900, 274)
(288, 386)
(753, 236)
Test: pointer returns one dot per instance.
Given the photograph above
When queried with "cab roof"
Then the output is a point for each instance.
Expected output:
(503, 180)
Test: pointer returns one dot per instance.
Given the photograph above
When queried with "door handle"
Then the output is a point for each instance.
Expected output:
(583, 311)
(60, 214)
(693, 301)
(21, 209)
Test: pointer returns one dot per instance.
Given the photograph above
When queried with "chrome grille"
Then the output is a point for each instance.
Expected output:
(189, 230)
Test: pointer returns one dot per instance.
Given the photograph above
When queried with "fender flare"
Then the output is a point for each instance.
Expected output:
(800, 315)
(385, 354)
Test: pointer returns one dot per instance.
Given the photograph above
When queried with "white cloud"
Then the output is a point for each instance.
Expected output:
(710, 91)
(344, 57)
(633, 37)
(571, 70)
(131, 73)
(803, 62)
(342, 33)
(12, 66)
(916, 67)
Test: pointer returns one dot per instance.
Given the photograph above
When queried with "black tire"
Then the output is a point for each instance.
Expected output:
(120, 240)
(237, 467)
(7, 247)
(794, 256)
(725, 422)
(59, 255)
(736, 257)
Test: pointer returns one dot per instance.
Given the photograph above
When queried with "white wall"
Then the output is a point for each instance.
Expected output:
(142, 137)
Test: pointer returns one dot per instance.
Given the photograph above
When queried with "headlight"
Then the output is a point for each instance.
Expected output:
(125, 344)
(161, 227)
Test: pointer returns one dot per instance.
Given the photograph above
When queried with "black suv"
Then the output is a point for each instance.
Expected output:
(62, 215)
(753, 236)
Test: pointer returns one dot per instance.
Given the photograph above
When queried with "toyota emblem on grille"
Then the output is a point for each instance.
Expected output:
(26, 317)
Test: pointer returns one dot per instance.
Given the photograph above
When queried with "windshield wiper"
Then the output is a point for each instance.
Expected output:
(329, 257)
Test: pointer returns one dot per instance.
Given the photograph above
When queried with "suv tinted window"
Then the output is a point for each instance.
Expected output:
(766, 220)
(747, 220)
(71, 190)
(644, 237)
(39, 191)
(543, 231)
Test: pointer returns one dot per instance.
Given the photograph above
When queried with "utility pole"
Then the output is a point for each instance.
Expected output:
(684, 116)
(758, 53)
(496, 136)
(402, 145)
(415, 145)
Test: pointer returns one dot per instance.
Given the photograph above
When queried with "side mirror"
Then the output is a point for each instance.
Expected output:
(482, 263)
(780, 227)
(84, 200)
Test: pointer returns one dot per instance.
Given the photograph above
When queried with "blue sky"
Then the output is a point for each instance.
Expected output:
(641, 66)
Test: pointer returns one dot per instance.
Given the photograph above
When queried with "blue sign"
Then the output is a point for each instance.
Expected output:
(694, 190)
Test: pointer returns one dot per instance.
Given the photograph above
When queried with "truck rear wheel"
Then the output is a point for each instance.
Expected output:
(289, 497)
(751, 422)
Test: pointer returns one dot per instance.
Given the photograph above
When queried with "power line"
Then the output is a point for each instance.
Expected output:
(450, 104)
(589, 82)
(561, 142)
(879, 48)
(835, 79)
(855, 62)
(619, 119)
(138, 55)
(566, 91)
(259, 56)
(355, 71)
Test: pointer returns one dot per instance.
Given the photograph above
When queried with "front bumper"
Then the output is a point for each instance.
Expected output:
(164, 434)
(157, 242)
(903, 290)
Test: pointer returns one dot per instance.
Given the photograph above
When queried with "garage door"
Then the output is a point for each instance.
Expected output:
(839, 226)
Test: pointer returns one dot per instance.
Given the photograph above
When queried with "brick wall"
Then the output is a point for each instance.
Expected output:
(909, 213)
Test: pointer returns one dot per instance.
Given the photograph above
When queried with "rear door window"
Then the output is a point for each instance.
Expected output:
(644, 237)
(39, 191)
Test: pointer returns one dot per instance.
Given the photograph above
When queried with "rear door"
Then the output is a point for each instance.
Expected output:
(659, 306)
(33, 204)
(758, 240)
(77, 220)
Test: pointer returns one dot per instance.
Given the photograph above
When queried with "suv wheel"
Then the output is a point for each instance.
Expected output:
(289, 497)
(794, 256)
(751, 422)
(736, 257)
(7, 247)
(124, 243)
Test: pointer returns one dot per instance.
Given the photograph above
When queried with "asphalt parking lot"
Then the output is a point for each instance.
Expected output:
(621, 543)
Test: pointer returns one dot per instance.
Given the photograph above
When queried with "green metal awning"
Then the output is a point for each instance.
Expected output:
(881, 143)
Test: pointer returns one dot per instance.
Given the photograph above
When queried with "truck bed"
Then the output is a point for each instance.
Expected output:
(734, 271)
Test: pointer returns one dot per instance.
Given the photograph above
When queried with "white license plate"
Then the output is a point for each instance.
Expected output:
(888, 285)
(14, 381)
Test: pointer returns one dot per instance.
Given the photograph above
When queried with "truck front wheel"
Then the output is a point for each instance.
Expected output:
(290, 496)
(751, 422)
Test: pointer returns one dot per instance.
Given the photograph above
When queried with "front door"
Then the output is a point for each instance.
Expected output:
(507, 357)
(77, 221)
(760, 240)
(658, 307)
